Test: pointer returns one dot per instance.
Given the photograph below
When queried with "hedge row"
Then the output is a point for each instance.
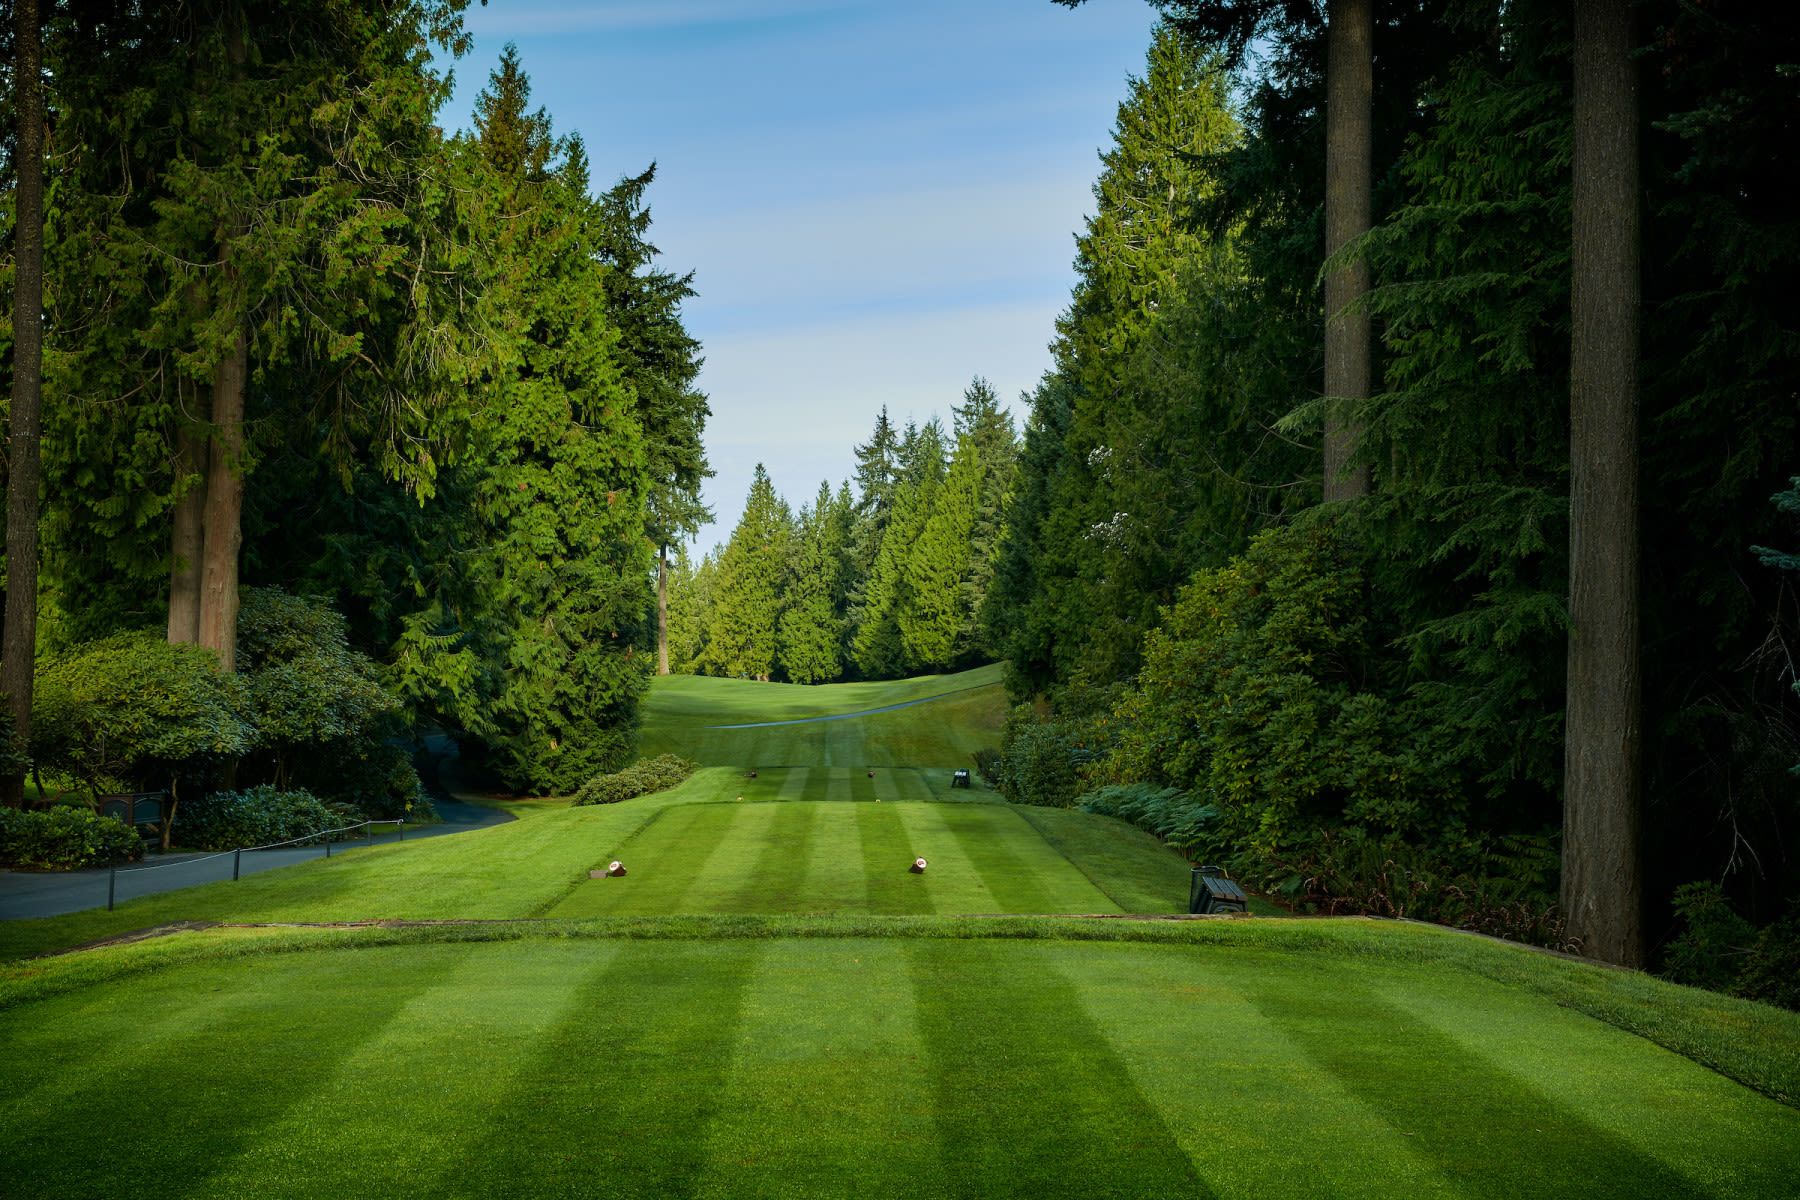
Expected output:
(258, 816)
(648, 775)
(64, 839)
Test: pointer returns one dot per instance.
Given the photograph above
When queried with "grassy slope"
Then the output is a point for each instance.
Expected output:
(681, 712)
(985, 858)
(1243, 1059)
(627, 1053)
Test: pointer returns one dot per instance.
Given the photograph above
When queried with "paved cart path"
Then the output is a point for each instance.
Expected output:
(26, 894)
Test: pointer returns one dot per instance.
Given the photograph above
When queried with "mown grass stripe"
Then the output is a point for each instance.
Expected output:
(1723, 1137)
(793, 784)
(1031, 1101)
(828, 1093)
(838, 787)
(953, 881)
(834, 871)
(735, 858)
(1487, 1129)
(1245, 1102)
(620, 1097)
(818, 785)
(662, 863)
(1014, 885)
(383, 1115)
(886, 850)
(247, 1049)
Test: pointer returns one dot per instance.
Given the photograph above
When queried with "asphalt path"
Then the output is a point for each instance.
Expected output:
(52, 893)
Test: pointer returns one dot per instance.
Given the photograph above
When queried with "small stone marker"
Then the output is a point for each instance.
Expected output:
(615, 868)
(919, 865)
(596, 874)
(871, 774)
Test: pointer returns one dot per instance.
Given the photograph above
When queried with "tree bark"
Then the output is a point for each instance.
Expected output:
(662, 611)
(189, 541)
(1350, 90)
(1602, 876)
(18, 645)
(222, 517)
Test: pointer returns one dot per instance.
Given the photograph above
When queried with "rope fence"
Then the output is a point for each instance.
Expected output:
(237, 855)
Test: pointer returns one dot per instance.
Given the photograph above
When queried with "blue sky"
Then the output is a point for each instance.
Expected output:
(877, 199)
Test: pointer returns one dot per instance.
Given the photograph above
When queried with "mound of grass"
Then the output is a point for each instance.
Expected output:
(963, 713)
(872, 1056)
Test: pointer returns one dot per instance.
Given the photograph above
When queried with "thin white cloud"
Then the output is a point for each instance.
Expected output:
(577, 18)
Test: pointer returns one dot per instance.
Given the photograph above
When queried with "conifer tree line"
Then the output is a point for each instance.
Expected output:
(295, 335)
(880, 581)
(1404, 487)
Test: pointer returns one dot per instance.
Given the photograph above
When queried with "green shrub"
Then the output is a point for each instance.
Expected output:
(324, 721)
(646, 776)
(1041, 758)
(129, 711)
(258, 816)
(987, 765)
(64, 839)
(1173, 815)
(1263, 692)
(1720, 950)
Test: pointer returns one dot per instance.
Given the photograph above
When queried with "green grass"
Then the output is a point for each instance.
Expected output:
(682, 712)
(694, 849)
(1242, 1059)
(770, 1004)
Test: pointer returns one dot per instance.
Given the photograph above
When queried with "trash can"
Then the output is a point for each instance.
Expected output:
(1210, 892)
(960, 778)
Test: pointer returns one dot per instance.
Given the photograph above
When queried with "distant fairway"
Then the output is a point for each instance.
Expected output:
(964, 714)
(770, 1004)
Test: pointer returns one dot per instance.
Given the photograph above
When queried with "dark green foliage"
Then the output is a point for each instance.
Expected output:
(747, 595)
(1264, 692)
(130, 711)
(1170, 813)
(64, 839)
(810, 636)
(1717, 948)
(1040, 759)
(645, 776)
(260, 816)
(321, 714)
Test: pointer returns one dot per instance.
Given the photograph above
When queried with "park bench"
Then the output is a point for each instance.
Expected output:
(1210, 892)
(137, 809)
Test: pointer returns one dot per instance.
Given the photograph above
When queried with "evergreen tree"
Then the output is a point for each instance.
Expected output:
(661, 363)
(932, 617)
(687, 590)
(810, 637)
(990, 428)
(747, 598)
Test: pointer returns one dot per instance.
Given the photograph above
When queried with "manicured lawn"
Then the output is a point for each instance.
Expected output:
(682, 714)
(770, 1004)
(792, 845)
(917, 1065)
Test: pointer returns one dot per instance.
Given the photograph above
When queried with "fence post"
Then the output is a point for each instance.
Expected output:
(327, 845)
(112, 883)
(237, 858)
(401, 825)
(368, 833)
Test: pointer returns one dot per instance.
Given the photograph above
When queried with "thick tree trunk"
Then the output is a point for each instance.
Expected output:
(189, 540)
(18, 646)
(1602, 879)
(222, 518)
(1350, 89)
(662, 611)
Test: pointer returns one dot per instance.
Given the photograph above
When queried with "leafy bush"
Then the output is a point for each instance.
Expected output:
(323, 719)
(1170, 813)
(129, 710)
(646, 776)
(64, 839)
(1041, 758)
(987, 764)
(1718, 949)
(258, 816)
(1262, 692)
